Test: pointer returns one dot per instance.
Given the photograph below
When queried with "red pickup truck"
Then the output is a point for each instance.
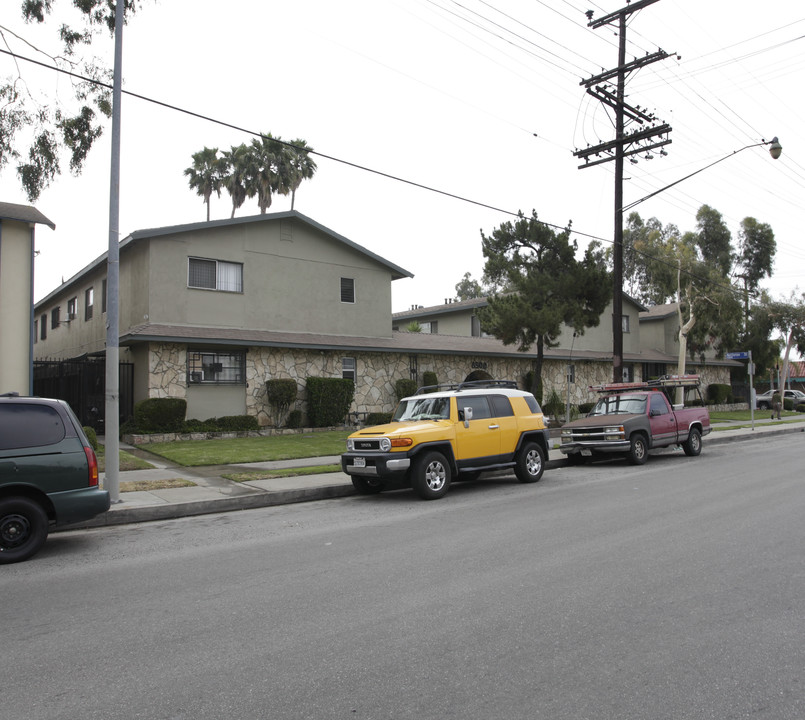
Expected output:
(632, 418)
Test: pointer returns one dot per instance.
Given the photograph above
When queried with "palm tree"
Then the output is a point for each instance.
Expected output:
(268, 170)
(206, 175)
(302, 166)
(234, 180)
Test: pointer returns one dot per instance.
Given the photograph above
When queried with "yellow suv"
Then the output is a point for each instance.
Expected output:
(447, 432)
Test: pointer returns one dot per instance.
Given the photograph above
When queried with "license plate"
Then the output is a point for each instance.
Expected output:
(586, 453)
(359, 462)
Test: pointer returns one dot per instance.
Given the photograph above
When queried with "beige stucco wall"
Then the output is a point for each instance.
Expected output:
(291, 281)
(16, 240)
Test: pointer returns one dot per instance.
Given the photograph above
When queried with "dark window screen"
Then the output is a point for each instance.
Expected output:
(23, 425)
(501, 406)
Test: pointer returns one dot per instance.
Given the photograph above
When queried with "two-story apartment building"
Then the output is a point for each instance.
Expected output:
(210, 311)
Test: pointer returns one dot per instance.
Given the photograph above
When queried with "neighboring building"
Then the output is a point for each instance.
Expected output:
(17, 251)
(210, 311)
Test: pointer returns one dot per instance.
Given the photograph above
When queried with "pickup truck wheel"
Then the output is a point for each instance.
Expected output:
(530, 463)
(430, 476)
(23, 529)
(638, 452)
(693, 445)
(366, 486)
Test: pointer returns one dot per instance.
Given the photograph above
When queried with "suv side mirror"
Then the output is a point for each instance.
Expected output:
(467, 416)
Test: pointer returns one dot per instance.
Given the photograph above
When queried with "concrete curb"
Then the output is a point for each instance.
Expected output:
(333, 485)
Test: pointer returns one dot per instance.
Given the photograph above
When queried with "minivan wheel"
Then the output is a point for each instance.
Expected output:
(23, 529)
(431, 476)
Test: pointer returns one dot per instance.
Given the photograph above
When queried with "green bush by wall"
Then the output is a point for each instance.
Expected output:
(328, 400)
(160, 414)
(280, 395)
(404, 387)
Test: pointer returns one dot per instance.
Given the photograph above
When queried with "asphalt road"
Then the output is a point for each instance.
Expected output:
(673, 590)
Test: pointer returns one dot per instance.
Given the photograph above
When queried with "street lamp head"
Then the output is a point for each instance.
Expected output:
(775, 149)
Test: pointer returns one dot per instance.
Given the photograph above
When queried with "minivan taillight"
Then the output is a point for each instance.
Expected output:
(92, 461)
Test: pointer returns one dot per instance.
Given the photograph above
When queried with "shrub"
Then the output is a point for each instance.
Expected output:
(378, 418)
(554, 405)
(404, 387)
(800, 407)
(328, 400)
(280, 394)
(92, 436)
(237, 423)
(718, 394)
(154, 415)
(294, 419)
(788, 404)
(429, 378)
(584, 408)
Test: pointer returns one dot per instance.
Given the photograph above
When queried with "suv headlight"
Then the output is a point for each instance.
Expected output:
(350, 444)
(385, 444)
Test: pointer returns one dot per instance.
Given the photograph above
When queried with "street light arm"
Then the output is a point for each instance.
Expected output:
(775, 149)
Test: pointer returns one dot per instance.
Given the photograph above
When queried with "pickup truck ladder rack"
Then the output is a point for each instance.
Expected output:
(665, 382)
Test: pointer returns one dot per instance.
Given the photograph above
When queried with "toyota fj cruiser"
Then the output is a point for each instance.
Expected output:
(447, 432)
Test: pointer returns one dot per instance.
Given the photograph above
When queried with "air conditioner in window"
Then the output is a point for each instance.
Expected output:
(71, 316)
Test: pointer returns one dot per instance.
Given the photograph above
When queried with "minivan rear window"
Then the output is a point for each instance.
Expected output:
(25, 425)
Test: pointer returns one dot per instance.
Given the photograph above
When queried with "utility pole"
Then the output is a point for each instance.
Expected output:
(624, 145)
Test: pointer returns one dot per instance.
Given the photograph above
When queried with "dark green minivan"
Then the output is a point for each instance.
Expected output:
(48, 474)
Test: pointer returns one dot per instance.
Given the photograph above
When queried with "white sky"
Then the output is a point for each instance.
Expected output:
(449, 95)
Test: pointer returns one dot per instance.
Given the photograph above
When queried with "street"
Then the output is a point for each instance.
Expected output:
(671, 590)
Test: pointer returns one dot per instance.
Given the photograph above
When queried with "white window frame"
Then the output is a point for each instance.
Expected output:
(223, 269)
(349, 369)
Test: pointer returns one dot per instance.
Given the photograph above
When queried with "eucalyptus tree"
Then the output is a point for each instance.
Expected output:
(36, 131)
(206, 175)
(788, 316)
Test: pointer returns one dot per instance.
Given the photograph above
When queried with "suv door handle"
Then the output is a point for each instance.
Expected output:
(494, 427)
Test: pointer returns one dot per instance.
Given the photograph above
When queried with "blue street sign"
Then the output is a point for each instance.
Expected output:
(743, 355)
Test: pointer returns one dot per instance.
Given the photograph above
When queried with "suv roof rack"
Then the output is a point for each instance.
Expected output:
(469, 385)
(660, 383)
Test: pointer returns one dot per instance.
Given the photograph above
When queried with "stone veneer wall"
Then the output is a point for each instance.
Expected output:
(377, 374)
(167, 370)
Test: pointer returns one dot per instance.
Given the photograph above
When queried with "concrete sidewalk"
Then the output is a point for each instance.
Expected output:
(213, 493)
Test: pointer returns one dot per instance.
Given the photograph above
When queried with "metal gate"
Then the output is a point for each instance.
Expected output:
(82, 383)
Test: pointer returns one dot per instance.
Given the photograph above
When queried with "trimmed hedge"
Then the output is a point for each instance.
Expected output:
(92, 436)
(154, 415)
(294, 419)
(719, 394)
(280, 394)
(378, 418)
(404, 387)
(328, 400)
(429, 378)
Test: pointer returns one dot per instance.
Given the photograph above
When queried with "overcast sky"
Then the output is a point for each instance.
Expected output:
(479, 100)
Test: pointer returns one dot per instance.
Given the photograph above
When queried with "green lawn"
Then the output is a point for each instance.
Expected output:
(127, 461)
(229, 451)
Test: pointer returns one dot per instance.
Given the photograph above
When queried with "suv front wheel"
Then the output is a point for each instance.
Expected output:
(530, 463)
(23, 529)
(430, 476)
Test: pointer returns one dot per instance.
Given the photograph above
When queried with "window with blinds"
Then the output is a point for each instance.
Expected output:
(214, 275)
